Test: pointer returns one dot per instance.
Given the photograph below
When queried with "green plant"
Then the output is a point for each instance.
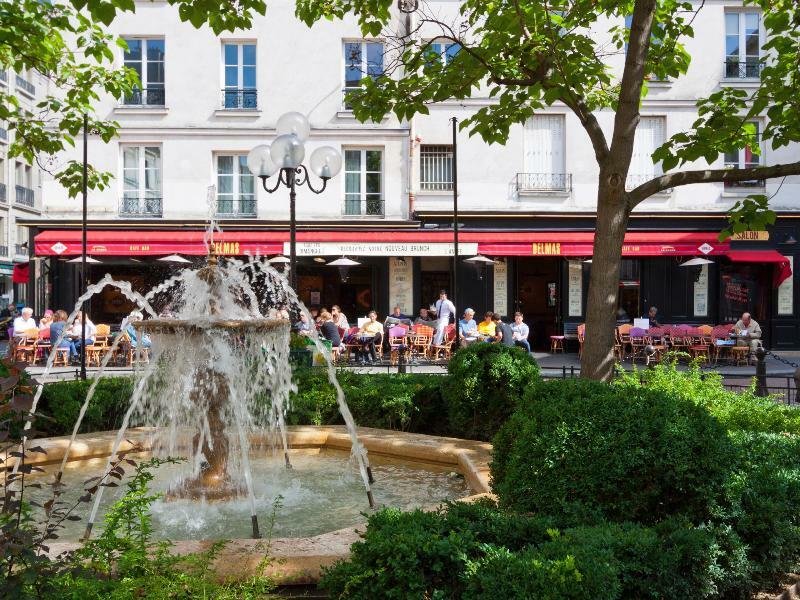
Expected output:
(483, 386)
(585, 451)
(63, 401)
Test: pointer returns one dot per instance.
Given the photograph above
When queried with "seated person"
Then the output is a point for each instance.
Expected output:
(468, 328)
(339, 318)
(426, 318)
(370, 335)
(652, 316)
(135, 317)
(328, 329)
(486, 328)
(521, 332)
(24, 322)
(748, 333)
(396, 317)
(503, 333)
(56, 327)
(44, 325)
(76, 332)
(303, 327)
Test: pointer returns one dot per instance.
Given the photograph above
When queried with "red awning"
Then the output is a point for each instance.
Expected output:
(22, 273)
(493, 243)
(784, 267)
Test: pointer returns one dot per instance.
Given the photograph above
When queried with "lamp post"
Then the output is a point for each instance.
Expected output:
(284, 158)
(83, 242)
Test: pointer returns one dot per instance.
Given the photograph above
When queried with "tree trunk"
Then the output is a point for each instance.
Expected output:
(597, 360)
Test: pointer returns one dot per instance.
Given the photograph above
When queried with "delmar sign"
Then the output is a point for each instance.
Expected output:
(381, 249)
(751, 236)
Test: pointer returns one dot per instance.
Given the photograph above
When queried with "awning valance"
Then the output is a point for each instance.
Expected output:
(784, 267)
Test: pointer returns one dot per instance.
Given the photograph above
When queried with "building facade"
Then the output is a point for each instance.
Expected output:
(206, 100)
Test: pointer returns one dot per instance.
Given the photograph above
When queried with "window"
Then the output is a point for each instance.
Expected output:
(363, 176)
(21, 245)
(655, 44)
(361, 59)
(445, 50)
(649, 136)
(141, 181)
(240, 76)
(746, 158)
(436, 167)
(146, 57)
(742, 45)
(236, 194)
(544, 155)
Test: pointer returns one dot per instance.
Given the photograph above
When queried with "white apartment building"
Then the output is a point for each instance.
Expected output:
(206, 100)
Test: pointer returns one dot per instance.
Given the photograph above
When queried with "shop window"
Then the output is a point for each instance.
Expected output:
(436, 167)
(628, 298)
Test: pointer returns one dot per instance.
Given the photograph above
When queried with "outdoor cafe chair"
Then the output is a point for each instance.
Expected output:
(636, 338)
(421, 340)
(25, 349)
(446, 347)
(398, 343)
(351, 342)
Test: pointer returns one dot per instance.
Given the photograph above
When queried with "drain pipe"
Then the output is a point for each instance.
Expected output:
(411, 132)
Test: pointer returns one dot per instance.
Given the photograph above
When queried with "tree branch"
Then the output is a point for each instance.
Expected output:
(671, 180)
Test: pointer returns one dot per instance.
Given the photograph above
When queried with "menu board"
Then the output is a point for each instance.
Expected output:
(786, 293)
(401, 285)
(501, 287)
(575, 285)
(701, 293)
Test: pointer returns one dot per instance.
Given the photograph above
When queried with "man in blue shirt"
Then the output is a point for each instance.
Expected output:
(468, 328)
(521, 332)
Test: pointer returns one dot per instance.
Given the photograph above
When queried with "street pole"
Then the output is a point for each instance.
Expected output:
(290, 176)
(83, 244)
(455, 229)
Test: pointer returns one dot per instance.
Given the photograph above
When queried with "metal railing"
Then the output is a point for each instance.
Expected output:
(239, 99)
(544, 182)
(750, 183)
(140, 207)
(25, 85)
(634, 180)
(145, 97)
(236, 207)
(25, 196)
(4, 76)
(3, 193)
(3, 133)
(3, 250)
(738, 69)
(20, 250)
(436, 168)
(370, 207)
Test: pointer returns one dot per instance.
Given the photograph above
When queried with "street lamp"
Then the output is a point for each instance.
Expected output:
(285, 157)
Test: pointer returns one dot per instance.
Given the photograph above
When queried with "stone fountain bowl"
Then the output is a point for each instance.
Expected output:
(297, 560)
(176, 325)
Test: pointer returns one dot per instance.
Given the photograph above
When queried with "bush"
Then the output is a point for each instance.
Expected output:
(484, 384)
(62, 402)
(585, 451)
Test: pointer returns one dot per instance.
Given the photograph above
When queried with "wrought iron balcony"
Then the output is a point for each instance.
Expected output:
(25, 85)
(236, 208)
(240, 99)
(748, 69)
(544, 182)
(140, 207)
(749, 184)
(3, 197)
(25, 196)
(20, 249)
(153, 96)
(3, 76)
(369, 207)
(634, 180)
(3, 250)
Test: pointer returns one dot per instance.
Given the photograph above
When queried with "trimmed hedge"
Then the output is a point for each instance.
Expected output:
(61, 401)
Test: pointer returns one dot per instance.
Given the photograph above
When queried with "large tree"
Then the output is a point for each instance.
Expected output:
(529, 54)
(67, 43)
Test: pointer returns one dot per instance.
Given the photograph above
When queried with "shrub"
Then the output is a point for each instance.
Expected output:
(485, 382)
(585, 451)
(62, 402)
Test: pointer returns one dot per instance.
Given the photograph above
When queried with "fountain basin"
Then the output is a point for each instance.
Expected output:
(300, 559)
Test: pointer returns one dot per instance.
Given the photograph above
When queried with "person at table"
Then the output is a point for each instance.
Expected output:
(444, 310)
(521, 332)
(135, 339)
(328, 329)
(75, 332)
(503, 333)
(339, 318)
(487, 328)
(652, 316)
(425, 318)
(748, 333)
(370, 336)
(468, 328)
(303, 327)
(44, 325)
(56, 327)
(397, 316)
(24, 322)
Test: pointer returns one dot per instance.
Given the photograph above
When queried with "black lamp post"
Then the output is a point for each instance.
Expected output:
(285, 157)
(84, 278)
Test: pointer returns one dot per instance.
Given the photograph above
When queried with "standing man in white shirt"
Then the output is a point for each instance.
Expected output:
(444, 308)
(24, 322)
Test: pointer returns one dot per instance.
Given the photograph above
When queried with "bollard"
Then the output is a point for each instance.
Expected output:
(761, 373)
(401, 359)
(650, 352)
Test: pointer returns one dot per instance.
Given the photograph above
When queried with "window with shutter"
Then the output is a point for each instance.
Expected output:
(649, 136)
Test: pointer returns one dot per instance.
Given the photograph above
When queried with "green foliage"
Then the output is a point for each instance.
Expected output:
(484, 384)
(63, 401)
(584, 450)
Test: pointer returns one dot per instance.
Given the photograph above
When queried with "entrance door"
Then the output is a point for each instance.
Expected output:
(537, 278)
(746, 288)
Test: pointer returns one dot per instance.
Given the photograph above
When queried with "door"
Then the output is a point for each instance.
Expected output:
(538, 290)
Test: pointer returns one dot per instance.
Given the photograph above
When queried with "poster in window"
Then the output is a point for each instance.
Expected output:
(738, 293)
(701, 293)
(501, 287)
(401, 284)
(575, 285)
(786, 293)
(551, 294)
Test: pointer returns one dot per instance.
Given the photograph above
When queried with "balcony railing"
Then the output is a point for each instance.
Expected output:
(240, 99)
(25, 85)
(3, 196)
(747, 69)
(634, 180)
(140, 207)
(25, 196)
(544, 182)
(20, 249)
(153, 96)
(370, 207)
(233, 208)
(3, 76)
(749, 184)
(3, 250)
(3, 134)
